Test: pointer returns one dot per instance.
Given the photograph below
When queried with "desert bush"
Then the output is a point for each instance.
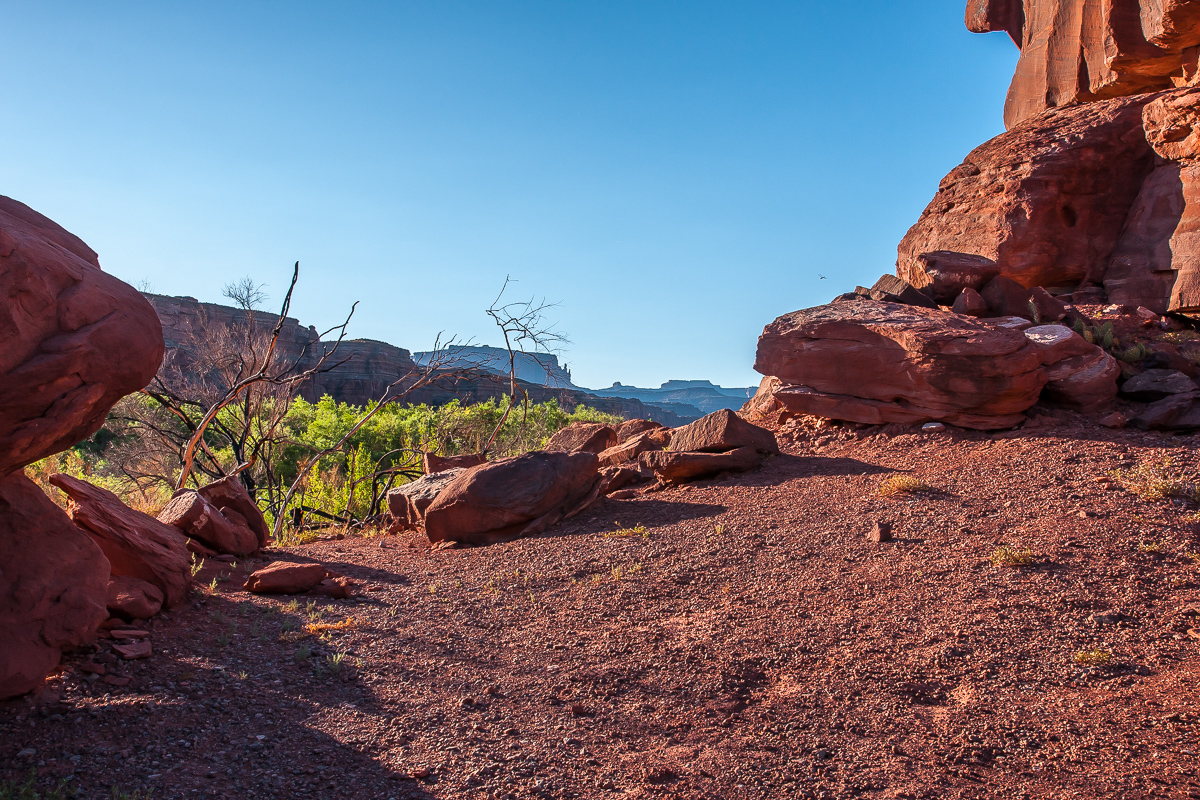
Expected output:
(1006, 556)
(1092, 658)
(1156, 480)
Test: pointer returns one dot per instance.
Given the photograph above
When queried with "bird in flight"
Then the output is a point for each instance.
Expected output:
(822, 277)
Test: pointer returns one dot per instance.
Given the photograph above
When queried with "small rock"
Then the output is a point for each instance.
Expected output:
(623, 494)
(1146, 313)
(880, 532)
(933, 427)
(421, 773)
(90, 667)
(116, 680)
(1114, 420)
(28, 752)
(134, 650)
(578, 710)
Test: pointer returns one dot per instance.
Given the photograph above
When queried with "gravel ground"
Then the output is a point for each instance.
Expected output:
(736, 638)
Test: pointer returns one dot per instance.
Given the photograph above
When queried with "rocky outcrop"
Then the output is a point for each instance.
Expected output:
(1045, 201)
(231, 499)
(136, 544)
(629, 450)
(75, 339)
(633, 427)
(1080, 51)
(53, 585)
(873, 362)
(513, 497)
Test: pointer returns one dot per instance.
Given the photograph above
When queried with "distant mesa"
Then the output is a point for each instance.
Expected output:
(540, 368)
(695, 398)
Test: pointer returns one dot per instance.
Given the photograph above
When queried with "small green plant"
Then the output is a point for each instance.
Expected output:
(1006, 556)
(1092, 658)
(1150, 547)
(433, 588)
(901, 483)
(335, 661)
(303, 652)
(242, 675)
(1134, 354)
(212, 586)
(1100, 335)
(719, 530)
(12, 790)
(197, 565)
(292, 606)
(223, 639)
(625, 533)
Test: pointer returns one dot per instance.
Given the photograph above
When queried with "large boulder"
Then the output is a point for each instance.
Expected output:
(229, 493)
(629, 450)
(945, 275)
(1155, 384)
(133, 598)
(407, 503)
(872, 362)
(75, 339)
(1045, 201)
(53, 585)
(1085, 383)
(136, 544)
(583, 437)
(432, 462)
(195, 516)
(512, 497)
(1177, 412)
(1081, 51)
(720, 432)
(631, 428)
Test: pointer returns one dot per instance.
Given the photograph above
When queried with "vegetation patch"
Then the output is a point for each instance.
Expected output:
(1156, 480)
(1092, 658)
(1006, 556)
(902, 483)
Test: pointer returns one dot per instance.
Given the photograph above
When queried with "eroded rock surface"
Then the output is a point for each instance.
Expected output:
(76, 340)
(587, 437)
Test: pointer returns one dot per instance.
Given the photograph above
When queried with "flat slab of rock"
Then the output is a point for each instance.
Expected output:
(1155, 384)
(512, 497)
(629, 450)
(1087, 382)
(722, 431)
(285, 578)
(195, 516)
(53, 585)
(585, 437)
(1058, 342)
(872, 362)
(1178, 412)
(676, 467)
(136, 544)
(633, 427)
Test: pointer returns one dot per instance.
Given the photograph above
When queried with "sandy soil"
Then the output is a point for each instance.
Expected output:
(738, 638)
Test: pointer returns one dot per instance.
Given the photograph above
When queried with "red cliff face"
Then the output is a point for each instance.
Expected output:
(1080, 51)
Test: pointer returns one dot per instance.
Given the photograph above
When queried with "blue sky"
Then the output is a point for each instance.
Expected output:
(675, 174)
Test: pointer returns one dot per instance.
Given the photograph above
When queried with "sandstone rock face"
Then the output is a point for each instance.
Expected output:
(283, 578)
(970, 303)
(881, 362)
(1080, 51)
(586, 437)
(677, 467)
(1045, 201)
(722, 431)
(53, 585)
(133, 598)
(75, 339)
(1058, 342)
(229, 493)
(136, 544)
(407, 503)
(196, 517)
(511, 497)
(1178, 412)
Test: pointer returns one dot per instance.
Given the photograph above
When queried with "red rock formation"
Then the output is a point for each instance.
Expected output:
(633, 427)
(407, 503)
(229, 493)
(53, 585)
(513, 497)
(872, 362)
(673, 467)
(75, 339)
(1045, 201)
(628, 450)
(136, 544)
(133, 598)
(1081, 51)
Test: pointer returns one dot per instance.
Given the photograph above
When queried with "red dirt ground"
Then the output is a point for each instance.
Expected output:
(749, 643)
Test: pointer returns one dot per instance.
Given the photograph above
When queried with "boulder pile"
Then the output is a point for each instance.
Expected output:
(512, 497)
(76, 340)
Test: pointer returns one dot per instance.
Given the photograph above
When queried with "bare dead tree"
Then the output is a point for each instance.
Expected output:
(525, 328)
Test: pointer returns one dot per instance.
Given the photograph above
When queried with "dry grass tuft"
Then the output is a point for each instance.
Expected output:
(902, 483)
(1092, 658)
(1156, 480)
(322, 627)
(1006, 556)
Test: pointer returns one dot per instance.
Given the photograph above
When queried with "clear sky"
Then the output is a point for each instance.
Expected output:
(676, 174)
